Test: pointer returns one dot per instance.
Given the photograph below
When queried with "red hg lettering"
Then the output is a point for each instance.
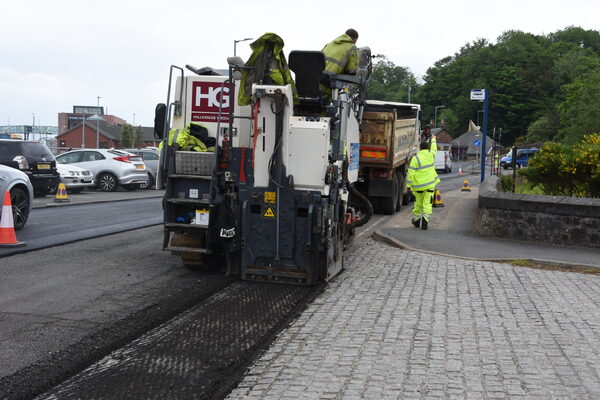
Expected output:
(206, 97)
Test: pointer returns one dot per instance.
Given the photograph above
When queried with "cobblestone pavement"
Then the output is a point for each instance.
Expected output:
(406, 325)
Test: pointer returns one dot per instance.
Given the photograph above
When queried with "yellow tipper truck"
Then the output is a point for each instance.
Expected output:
(389, 137)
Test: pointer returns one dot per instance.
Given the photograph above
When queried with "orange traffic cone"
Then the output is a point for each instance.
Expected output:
(465, 186)
(61, 194)
(437, 198)
(7, 225)
(460, 170)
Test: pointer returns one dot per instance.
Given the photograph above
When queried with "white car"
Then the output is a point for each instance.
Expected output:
(111, 168)
(75, 178)
(443, 161)
(21, 194)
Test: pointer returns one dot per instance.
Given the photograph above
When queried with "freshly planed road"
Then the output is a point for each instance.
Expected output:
(53, 226)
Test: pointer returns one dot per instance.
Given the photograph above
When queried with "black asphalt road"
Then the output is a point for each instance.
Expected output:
(48, 227)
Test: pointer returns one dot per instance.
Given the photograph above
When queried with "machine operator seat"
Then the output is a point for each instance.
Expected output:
(308, 67)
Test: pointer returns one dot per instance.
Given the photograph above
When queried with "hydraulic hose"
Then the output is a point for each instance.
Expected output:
(357, 196)
(368, 210)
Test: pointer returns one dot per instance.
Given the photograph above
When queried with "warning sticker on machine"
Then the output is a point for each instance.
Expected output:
(354, 156)
(270, 197)
(269, 213)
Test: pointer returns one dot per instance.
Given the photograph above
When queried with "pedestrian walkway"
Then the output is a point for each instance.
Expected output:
(450, 232)
(399, 324)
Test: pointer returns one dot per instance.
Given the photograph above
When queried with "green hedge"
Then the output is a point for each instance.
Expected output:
(563, 170)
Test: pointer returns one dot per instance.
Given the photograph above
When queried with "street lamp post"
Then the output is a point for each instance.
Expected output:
(83, 131)
(235, 42)
(98, 124)
(435, 115)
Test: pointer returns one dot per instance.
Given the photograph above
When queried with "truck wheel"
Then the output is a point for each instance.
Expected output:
(388, 204)
(376, 203)
(399, 197)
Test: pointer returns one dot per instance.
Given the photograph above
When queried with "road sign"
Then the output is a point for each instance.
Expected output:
(478, 94)
(476, 142)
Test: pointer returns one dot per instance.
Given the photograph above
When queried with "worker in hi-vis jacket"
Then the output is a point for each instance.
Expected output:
(421, 180)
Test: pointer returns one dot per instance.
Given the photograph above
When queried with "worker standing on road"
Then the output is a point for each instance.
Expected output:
(341, 56)
(421, 180)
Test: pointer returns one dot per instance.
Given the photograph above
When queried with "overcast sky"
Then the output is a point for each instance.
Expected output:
(59, 53)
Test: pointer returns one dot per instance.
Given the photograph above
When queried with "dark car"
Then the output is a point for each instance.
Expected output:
(34, 159)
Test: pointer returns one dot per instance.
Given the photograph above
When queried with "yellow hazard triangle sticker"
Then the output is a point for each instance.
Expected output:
(269, 213)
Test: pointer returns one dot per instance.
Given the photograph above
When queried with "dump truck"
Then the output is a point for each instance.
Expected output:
(389, 137)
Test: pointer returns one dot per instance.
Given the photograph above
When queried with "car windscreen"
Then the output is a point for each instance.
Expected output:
(36, 150)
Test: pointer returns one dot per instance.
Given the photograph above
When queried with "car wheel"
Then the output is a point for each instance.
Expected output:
(20, 206)
(107, 182)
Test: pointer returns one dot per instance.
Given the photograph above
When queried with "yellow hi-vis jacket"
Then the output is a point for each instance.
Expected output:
(185, 140)
(341, 57)
(421, 171)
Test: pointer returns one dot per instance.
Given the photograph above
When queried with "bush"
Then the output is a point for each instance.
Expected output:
(563, 170)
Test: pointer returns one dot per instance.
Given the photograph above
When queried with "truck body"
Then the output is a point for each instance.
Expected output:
(389, 137)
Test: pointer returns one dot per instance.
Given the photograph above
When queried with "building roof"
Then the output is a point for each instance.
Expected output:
(107, 130)
(467, 140)
(442, 135)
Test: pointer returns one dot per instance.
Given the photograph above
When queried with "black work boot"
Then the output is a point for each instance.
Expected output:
(416, 222)
(423, 224)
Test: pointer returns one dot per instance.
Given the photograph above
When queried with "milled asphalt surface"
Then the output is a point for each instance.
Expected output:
(65, 307)
(96, 196)
(450, 232)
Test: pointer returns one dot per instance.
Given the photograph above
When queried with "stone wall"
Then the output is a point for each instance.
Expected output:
(551, 219)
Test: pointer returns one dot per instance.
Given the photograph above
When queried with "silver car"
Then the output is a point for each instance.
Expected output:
(150, 157)
(21, 194)
(111, 168)
(75, 178)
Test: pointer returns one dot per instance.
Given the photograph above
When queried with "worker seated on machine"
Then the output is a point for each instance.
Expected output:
(308, 66)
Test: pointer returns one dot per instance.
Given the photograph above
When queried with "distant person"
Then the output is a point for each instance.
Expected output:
(421, 180)
(341, 56)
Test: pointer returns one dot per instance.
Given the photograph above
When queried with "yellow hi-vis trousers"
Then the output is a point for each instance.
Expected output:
(423, 204)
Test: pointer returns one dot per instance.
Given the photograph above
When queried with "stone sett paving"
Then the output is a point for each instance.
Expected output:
(406, 325)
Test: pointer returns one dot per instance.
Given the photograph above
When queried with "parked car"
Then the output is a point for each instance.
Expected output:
(523, 157)
(443, 161)
(21, 193)
(111, 168)
(150, 157)
(35, 160)
(75, 178)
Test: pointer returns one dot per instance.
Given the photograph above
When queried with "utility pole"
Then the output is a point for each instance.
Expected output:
(409, 88)
(435, 115)
(98, 124)
(83, 132)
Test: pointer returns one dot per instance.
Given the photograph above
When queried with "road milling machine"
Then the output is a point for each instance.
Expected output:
(275, 200)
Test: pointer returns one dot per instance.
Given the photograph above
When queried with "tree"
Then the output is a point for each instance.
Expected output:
(139, 136)
(390, 82)
(544, 128)
(580, 111)
(127, 136)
